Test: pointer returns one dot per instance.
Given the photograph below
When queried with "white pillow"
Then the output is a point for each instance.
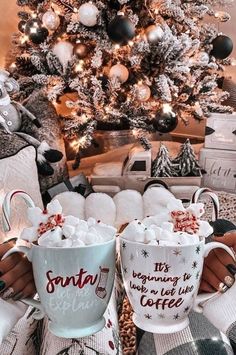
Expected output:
(19, 172)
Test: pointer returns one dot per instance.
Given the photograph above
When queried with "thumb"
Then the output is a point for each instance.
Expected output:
(229, 239)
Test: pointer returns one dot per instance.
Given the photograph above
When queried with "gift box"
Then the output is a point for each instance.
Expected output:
(220, 169)
(221, 131)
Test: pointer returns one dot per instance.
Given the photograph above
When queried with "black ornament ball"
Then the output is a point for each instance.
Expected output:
(32, 25)
(222, 47)
(21, 26)
(81, 50)
(39, 36)
(121, 30)
(165, 122)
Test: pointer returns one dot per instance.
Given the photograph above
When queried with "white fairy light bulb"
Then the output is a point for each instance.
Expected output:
(167, 108)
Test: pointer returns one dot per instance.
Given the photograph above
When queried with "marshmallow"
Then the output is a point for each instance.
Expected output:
(129, 206)
(156, 220)
(135, 231)
(51, 238)
(205, 229)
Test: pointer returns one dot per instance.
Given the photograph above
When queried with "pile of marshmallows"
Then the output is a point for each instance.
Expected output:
(176, 226)
(52, 229)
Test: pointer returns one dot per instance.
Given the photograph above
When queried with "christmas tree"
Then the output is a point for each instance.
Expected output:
(139, 64)
(162, 166)
(186, 161)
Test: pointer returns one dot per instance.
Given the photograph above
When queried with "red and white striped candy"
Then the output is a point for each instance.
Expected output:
(6, 207)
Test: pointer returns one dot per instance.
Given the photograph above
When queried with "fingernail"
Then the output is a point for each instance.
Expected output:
(231, 268)
(2, 285)
(229, 281)
(230, 232)
(7, 294)
(18, 296)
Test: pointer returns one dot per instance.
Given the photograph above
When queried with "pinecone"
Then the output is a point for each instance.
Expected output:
(25, 66)
(150, 65)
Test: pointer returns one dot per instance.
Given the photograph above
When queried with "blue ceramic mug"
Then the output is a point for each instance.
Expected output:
(74, 286)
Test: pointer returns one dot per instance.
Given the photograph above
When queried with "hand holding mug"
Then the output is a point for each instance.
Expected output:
(219, 268)
(16, 275)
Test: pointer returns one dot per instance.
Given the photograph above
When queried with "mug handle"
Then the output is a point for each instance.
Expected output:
(202, 298)
(39, 314)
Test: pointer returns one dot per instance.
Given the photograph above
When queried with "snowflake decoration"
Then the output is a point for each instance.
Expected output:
(198, 249)
(186, 309)
(177, 252)
(197, 275)
(148, 316)
(194, 265)
(183, 261)
(161, 316)
(176, 317)
(125, 270)
(145, 253)
(123, 245)
(131, 257)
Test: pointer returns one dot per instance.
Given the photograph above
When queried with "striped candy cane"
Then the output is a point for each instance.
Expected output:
(6, 207)
(206, 191)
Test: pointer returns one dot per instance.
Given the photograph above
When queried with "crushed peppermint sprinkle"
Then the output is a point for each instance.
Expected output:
(53, 221)
(185, 221)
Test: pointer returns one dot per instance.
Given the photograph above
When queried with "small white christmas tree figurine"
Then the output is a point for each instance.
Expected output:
(186, 162)
(162, 164)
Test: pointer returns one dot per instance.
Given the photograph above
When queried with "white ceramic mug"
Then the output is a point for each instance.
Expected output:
(74, 284)
(162, 282)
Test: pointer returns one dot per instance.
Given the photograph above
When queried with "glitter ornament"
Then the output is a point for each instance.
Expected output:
(88, 14)
(120, 72)
(51, 20)
(142, 92)
(154, 34)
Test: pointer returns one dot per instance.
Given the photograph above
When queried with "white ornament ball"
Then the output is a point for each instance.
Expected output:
(51, 20)
(154, 34)
(88, 14)
(142, 92)
(120, 72)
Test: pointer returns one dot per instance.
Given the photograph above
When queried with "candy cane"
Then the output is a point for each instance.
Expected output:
(6, 207)
(214, 198)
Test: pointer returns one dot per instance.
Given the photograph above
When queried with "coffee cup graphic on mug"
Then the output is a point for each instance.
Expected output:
(162, 282)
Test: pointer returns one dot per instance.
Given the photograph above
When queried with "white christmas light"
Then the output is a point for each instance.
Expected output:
(167, 108)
